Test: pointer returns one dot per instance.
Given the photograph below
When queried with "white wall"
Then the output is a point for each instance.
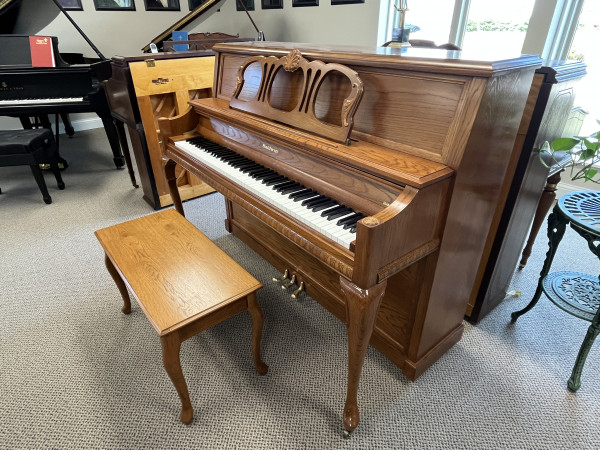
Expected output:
(126, 32)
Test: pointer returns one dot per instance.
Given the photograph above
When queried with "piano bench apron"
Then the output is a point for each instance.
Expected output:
(31, 148)
(148, 256)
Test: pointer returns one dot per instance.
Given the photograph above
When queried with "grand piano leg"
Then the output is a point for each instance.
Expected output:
(362, 306)
(66, 120)
(113, 139)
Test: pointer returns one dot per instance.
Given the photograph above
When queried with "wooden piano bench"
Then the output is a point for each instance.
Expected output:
(32, 148)
(183, 282)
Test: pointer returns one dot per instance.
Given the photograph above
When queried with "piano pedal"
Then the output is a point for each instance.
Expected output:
(62, 165)
(297, 291)
(290, 283)
(284, 277)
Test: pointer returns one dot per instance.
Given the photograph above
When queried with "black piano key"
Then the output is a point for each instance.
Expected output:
(352, 223)
(259, 174)
(220, 152)
(252, 169)
(243, 164)
(235, 159)
(287, 184)
(297, 196)
(268, 178)
(292, 189)
(350, 219)
(336, 212)
(313, 201)
(227, 158)
(324, 205)
(273, 181)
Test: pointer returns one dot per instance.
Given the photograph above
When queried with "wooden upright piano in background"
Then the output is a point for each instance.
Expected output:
(424, 166)
(147, 87)
(549, 104)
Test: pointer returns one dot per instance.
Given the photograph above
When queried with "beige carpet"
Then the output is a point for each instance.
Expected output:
(76, 373)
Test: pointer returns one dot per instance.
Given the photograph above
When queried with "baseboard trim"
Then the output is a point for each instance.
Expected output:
(82, 124)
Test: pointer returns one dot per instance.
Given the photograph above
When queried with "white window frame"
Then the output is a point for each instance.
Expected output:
(550, 32)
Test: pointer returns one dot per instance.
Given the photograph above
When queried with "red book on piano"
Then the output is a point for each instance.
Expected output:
(42, 54)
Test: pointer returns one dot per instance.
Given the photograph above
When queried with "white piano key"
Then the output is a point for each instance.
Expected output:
(283, 202)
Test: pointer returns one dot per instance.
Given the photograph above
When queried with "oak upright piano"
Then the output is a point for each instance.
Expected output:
(419, 173)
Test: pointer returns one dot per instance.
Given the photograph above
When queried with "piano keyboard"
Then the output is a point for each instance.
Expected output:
(39, 101)
(321, 213)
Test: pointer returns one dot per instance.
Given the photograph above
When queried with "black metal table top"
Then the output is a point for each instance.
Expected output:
(583, 209)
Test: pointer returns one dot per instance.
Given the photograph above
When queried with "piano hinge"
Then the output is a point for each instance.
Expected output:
(150, 63)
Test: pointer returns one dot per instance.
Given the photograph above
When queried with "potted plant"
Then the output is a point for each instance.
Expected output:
(584, 152)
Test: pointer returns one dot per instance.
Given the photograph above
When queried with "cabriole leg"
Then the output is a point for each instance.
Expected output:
(362, 306)
(126, 309)
(171, 345)
(257, 326)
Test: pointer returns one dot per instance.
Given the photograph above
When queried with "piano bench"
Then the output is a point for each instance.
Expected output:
(182, 281)
(31, 147)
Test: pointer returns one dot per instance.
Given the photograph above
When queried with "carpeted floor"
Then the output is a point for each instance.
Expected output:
(76, 373)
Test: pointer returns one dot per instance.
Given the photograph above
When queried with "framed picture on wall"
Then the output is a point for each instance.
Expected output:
(345, 2)
(305, 2)
(71, 5)
(193, 4)
(162, 5)
(114, 5)
(249, 4)
(272, 4)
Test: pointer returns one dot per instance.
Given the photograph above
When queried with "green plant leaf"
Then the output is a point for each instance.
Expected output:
(564, 144)
(590, 173)
(587, 154)
(590, 145)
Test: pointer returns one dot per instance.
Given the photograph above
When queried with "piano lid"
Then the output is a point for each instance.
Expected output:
(186, 20)
(9, 11)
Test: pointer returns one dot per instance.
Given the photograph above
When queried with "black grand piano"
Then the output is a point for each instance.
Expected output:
(42, 92)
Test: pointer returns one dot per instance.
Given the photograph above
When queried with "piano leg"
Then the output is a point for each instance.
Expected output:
(362, 306)
(125, 147)
(172, 182)
(113, 139)
(66, 120)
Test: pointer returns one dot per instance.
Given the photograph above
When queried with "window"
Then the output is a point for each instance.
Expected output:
(584, 48)
(490, 24)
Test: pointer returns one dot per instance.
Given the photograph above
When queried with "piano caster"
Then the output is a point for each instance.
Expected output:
(284, 277)
(346, 434)
(290, 283)
(297, 291)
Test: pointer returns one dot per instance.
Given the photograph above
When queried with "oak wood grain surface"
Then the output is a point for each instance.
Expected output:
(163, 256)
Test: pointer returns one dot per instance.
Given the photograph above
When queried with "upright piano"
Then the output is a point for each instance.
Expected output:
(138, 102)
(368, 176)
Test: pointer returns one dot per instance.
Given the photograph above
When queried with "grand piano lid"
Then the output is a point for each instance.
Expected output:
(203, 9)
(9, 11)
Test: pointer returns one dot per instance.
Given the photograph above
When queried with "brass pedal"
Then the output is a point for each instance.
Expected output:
(284, 277)
(297, 291)
(290, 283)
